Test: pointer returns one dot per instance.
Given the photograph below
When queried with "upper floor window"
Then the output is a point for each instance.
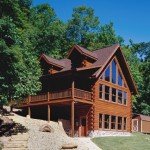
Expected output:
(107, 74)
(112, 94)
(120, 79)
(114, 69)
(113, 74)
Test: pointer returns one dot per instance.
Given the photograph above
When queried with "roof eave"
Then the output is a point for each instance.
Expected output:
(50, 62)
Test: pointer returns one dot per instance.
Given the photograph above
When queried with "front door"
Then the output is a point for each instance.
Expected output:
(83, 126)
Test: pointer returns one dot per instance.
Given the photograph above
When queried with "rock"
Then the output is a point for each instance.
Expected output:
(6, 121)
(46, 128)
(69, 146)
(28, 116)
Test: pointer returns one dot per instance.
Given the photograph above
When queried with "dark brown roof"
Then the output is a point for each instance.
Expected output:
(146, 118)
(104, 54)
(101, 58)
(83, 51)
(52, 61)
(66, 62)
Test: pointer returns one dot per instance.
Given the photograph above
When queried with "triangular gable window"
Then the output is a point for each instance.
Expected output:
(113, 74)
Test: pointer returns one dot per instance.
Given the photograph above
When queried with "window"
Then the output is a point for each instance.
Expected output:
(100, 120)
(107, 74)
(120, 96)
(113, 95)
(125, 122)
(100, 91)
(107, 92)
(106, 121)
(114, 72)
(125, 98)
(119, 79)
(113, 122)
(119, 123)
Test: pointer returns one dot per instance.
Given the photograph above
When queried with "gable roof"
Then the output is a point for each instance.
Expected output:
(146, 118)
(142, 117)
(101, 57)
(83, 51)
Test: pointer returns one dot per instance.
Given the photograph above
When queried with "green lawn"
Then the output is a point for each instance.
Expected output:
(138, 141)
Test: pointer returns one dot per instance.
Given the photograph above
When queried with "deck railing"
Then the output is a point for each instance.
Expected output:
(68, 93)
(60, 94)
(81, 94)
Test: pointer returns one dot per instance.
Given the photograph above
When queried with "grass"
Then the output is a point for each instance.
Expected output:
(138, 141)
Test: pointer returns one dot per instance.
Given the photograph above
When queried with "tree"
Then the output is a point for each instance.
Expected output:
(83, 27)
(107, 35)
(50, 31)
(143, 103)
(19, 68)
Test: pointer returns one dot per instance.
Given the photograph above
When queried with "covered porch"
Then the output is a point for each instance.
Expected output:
(68, 98)
(75, 116)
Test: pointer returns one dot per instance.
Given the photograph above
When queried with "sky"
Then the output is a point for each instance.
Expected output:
(131, 18)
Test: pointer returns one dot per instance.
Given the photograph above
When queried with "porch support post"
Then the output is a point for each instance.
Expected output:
(29, 112)
(72, 89)
(72, 118)
(49, 113)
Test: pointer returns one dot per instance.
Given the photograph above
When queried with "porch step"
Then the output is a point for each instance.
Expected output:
(15, 149)
(17, 142)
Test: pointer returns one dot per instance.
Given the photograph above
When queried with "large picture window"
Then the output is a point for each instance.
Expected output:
(112, 122)
(113, 74)
(111, 94)
(116, 91)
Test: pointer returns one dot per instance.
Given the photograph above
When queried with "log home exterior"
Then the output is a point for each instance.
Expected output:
(92, 90)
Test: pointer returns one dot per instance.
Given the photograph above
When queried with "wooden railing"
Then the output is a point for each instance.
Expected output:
(35, 98)
(81, 94)
(68, 93)
(60, 94)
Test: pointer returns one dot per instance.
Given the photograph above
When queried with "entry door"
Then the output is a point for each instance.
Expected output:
(135, 125)
(83, 126)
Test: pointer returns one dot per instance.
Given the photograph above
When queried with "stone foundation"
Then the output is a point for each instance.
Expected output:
(99, 133)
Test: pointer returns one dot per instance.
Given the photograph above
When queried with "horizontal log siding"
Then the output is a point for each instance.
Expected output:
(105, 107)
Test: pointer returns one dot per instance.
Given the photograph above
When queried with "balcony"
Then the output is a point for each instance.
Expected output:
(59, 96)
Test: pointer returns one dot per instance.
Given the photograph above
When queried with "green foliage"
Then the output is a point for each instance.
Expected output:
(142, 103)
(50, 31)
(19, 68)
(82, 27)
(26, 32)
(107, 35)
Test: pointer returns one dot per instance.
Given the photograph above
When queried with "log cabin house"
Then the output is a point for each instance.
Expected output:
(89, 90)
(141, 123)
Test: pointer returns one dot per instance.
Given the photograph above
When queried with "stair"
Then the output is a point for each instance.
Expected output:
(17, 142)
